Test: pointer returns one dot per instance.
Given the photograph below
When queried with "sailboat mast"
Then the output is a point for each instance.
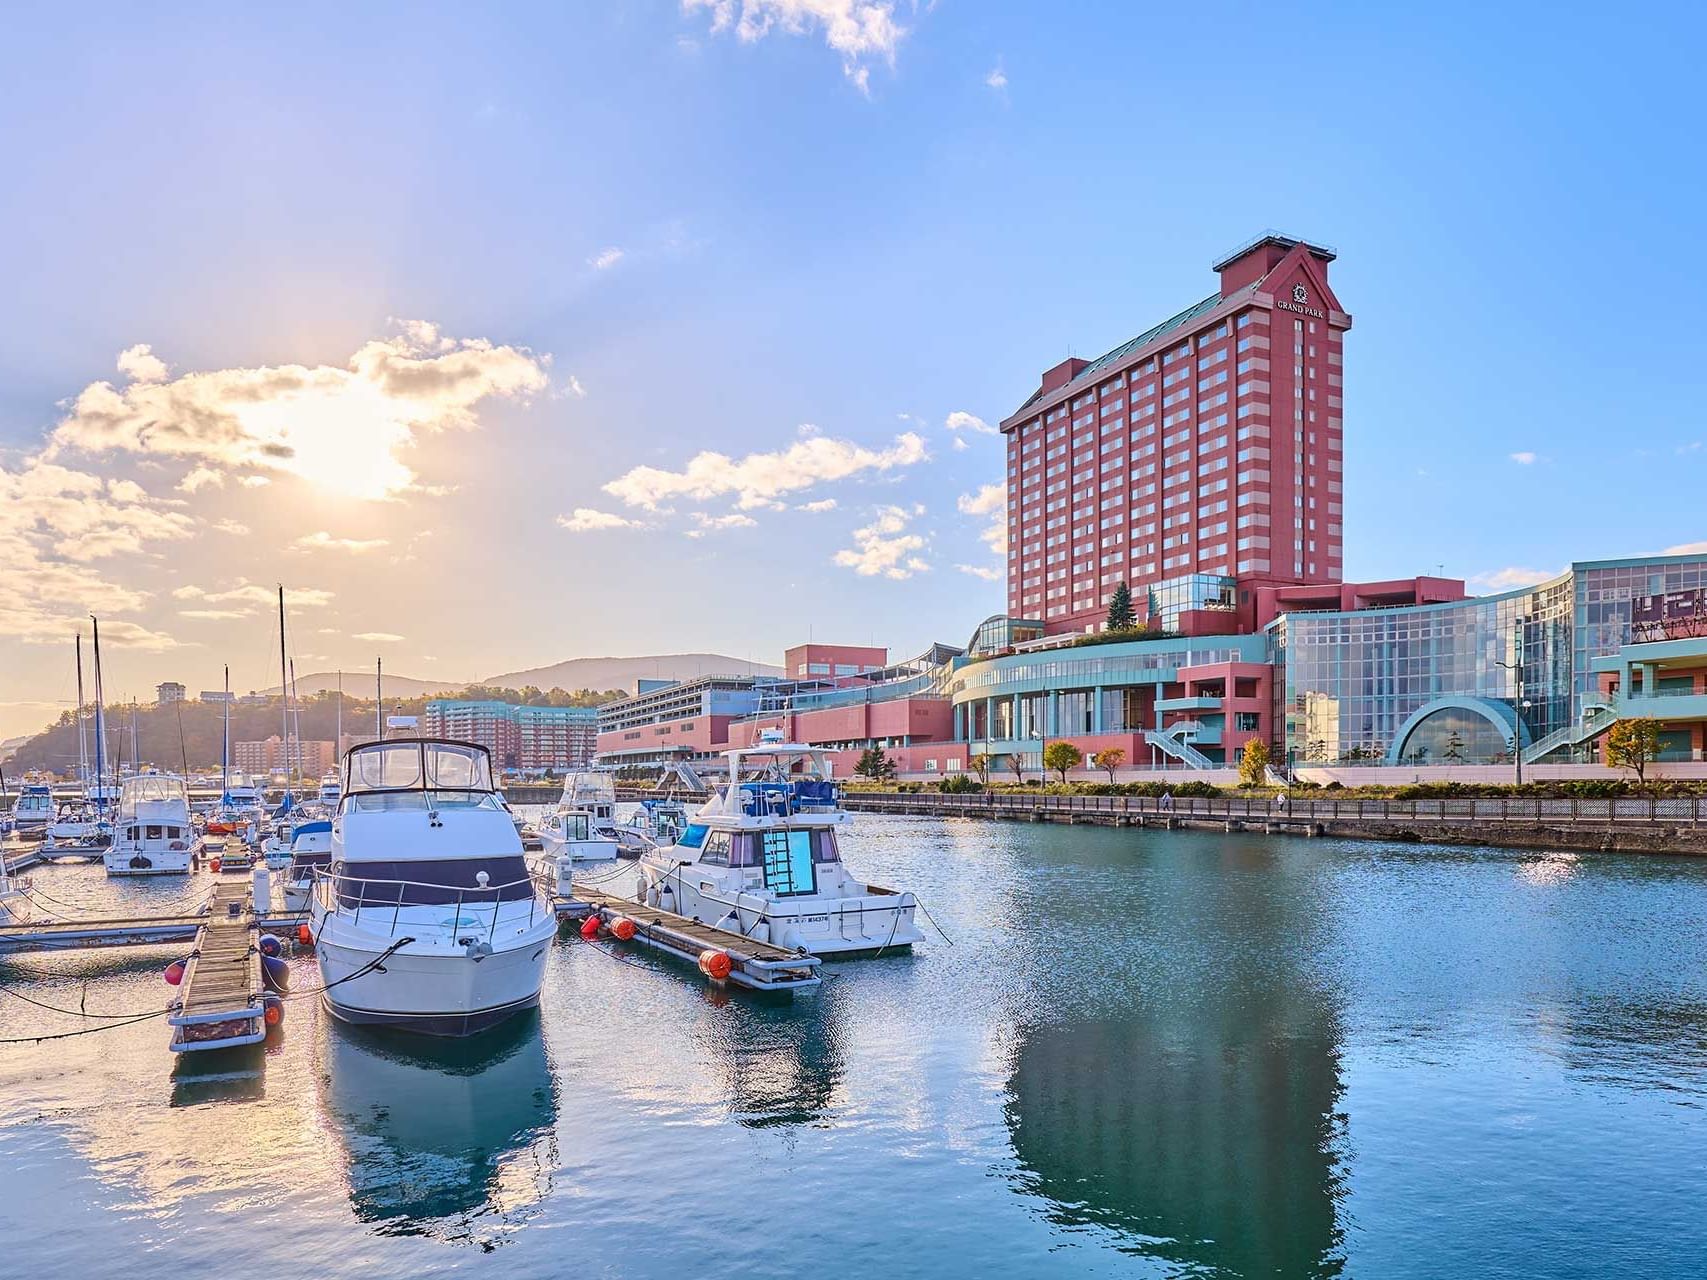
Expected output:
(379, 697)
(284, 690)
(82, 729)
(296, 717)
(225, 745)
(100, 724)
(338, 742)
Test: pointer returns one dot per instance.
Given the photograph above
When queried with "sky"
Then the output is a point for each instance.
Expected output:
(501, 337)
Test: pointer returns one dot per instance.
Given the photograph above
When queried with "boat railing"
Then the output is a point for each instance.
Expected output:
(334, 892)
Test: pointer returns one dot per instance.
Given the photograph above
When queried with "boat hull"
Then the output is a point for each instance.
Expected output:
(146, 862)
(440, 990)
(830, 928)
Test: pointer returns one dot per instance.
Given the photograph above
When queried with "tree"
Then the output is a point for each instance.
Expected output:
(1253, 763)
(1454, 747)
(875, 765)
(1631, 744)
(1061, 756)
(1120, 615)
(1110, 758)
(980, 765)
(1016, 762)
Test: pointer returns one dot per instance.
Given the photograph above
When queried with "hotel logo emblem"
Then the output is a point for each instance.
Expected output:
(1299, 295)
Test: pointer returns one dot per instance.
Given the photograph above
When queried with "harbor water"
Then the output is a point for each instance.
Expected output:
(1145, 1053)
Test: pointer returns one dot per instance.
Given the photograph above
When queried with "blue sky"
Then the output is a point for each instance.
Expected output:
(629, 234)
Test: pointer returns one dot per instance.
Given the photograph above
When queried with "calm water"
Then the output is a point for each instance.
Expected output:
(1144, 1054)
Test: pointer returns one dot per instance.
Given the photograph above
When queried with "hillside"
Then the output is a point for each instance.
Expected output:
(360, 684)
(621, 673)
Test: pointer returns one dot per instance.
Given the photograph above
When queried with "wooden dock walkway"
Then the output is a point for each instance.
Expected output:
(221, 1005)
(759, 966)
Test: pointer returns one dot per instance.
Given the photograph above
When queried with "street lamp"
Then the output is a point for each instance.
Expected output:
(1519, 703)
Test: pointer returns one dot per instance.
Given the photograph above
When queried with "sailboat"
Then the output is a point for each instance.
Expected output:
(80, 827)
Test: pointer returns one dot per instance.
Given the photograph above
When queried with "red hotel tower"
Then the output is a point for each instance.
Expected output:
(1208, 445)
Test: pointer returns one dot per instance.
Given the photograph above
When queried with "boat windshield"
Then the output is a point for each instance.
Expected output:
(416, 765)
(154, 788)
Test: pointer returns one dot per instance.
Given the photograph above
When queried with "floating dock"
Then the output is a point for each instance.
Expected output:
(221, 1005)
(758, 966)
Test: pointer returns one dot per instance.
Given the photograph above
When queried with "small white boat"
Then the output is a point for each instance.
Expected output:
(310, 853)
(566, 838)
(330, 789)
(152, 833)
(78, 828)
(429, 918)
(761, 860)
(34, 810)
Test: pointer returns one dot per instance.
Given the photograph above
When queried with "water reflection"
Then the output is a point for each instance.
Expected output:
(784, 1062)
(443, 1138)
(1194, 1112)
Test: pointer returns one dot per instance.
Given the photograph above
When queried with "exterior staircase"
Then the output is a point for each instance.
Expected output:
(1597, 718)
(1172, 742)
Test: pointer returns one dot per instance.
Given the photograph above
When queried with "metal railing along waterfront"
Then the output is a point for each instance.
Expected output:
(1624, 810)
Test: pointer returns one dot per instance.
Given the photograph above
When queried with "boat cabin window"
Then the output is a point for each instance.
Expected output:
(417, 766)
(788, 864)
(694, 836)
(716, 850)
(824, 846)
(153, 833)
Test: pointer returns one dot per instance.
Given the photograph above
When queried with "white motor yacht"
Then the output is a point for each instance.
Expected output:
(152, 834)
(34, 810)
(761, 859)
(327, 796)
(310, 853)
(428, 918)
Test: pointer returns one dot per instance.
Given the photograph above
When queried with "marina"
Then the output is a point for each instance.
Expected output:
(1231, 1004)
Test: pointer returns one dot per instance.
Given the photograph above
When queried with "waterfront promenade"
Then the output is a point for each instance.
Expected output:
(1656, 824)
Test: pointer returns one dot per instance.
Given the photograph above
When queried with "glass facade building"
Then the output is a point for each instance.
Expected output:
(1456, 682)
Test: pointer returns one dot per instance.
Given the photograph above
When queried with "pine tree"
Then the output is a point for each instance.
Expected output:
(1120, 615)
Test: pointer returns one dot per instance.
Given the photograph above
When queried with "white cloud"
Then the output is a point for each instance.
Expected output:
(823, 504)
(734, 520)
(233, 527)
(586, 520)
(214, 615)
(573, 387)
(885, 547)
(140, 364)
(960, 420)
(1524, 458)
(343, 428)
(1509, 579)
(990, 500)
(320, 540)
(760, 479)
(997, 79)
(605, 259)
(989, 575)
(378, 637)
(256, 598)
(1686, 549)
(860, 30)
(201, 478)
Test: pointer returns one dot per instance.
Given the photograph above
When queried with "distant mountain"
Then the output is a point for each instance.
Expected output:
(360, 685)
(573, 674)
(10, 745)
(621, 673)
